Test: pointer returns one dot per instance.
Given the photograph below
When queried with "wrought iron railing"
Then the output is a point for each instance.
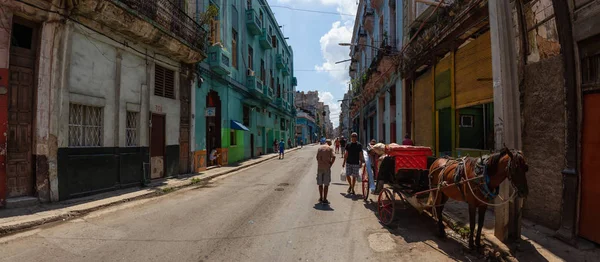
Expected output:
(172, 19)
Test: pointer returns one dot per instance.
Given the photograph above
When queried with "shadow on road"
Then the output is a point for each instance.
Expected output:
(322, 207)
(414, 227)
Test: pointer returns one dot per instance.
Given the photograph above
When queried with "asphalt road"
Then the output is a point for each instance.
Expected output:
(265, 213)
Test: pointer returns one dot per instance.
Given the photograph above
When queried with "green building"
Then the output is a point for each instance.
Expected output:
(244, 99)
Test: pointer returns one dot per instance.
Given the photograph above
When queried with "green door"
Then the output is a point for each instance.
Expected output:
(445, 135)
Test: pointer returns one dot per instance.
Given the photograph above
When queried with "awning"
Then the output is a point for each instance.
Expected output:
(238, 126)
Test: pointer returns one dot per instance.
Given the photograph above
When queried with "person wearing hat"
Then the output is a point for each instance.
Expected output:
(355, 159)
(325, 159)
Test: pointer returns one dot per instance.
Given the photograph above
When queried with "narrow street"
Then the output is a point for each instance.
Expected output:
(264, 213)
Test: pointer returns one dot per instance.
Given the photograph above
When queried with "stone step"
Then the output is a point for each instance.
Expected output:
(18, 202)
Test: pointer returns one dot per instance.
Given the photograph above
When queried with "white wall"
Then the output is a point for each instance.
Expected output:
(96, 63)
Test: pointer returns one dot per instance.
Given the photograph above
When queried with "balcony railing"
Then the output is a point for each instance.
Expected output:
(171, 18)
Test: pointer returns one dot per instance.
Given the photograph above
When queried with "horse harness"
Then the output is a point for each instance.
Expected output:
(481, 169)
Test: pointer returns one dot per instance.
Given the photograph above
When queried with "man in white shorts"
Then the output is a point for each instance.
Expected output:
(325, 159)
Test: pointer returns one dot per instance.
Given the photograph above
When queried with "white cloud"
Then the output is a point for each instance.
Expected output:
(334, 107)
(332, 52)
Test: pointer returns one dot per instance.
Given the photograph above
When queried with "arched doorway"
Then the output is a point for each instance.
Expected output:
(213, 124)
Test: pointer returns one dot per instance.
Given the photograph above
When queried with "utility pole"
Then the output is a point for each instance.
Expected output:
(507, 111)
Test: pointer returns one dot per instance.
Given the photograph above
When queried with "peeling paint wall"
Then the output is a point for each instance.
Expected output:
(543, 109)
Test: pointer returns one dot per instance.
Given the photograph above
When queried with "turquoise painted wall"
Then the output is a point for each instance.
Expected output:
(232, 88)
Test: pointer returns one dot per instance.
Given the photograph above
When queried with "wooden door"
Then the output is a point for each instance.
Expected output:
(590, 177)
(213, 125)
(157, 146)
(19, 169)
(252, 145)
(184, 125)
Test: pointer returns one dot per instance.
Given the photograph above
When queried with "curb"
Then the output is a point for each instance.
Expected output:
(18, 226)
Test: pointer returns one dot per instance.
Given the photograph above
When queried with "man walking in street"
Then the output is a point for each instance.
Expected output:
(325, 159)
(343, 145)
(281, 149)
(355, 159)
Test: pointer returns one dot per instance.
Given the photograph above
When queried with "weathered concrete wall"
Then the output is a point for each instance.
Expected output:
(169, 107)
(544, 139)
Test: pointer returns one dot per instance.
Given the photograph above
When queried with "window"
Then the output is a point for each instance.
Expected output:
(272, 79)
(249, 4)
(466, 120)
(274, 41)
(260, 15)
(232, 138)
(246, 116)
(164, 82)
(85, 126)
(131, 129)
(263, 71)
(234, 62)
(234, 17)
(250, 57)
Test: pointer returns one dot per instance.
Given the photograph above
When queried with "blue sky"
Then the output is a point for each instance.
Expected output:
(314, 38)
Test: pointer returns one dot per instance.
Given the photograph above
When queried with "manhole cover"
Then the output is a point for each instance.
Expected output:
(279, 189)
(283, 184)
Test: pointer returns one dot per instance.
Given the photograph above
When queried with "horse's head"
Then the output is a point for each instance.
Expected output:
(517, 169)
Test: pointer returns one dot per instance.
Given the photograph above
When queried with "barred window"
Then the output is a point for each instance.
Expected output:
(164, 82)
(131, 129)
(85, 126)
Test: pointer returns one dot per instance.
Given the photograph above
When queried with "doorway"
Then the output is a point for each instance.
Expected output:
(157, 146)
(590, 179)
(21, 89)
(252, 145)
(213, 125)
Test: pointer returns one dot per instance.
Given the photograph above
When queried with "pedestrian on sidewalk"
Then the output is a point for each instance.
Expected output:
(325, 159)
(337, 145)
(289, 143)
(275, 147)
(214, 155)
(281, 149)
(343, 145)
(355, 159)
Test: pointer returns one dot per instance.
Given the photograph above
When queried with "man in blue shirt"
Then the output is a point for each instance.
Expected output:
(281, 149)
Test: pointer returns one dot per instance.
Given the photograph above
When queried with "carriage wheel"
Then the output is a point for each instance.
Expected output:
(365, 184)
(386, 207)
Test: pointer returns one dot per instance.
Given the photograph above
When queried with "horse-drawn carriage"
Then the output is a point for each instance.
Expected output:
(404, 171)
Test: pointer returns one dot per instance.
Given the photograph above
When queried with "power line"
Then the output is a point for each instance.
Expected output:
(309, 11)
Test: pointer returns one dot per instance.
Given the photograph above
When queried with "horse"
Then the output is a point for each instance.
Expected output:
(494, 169)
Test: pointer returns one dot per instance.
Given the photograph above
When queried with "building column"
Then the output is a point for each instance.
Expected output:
(399, 111)
(507, 111)
(386, 118)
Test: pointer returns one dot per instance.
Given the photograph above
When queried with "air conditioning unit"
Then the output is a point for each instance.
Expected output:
(250, 72)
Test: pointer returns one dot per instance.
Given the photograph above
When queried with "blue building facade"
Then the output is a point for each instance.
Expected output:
(244, 100)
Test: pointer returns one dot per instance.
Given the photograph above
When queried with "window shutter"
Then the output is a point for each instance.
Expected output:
(164, 82)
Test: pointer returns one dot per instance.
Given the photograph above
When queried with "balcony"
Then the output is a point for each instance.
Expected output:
(265, 40)
(159, 24)
(294, 81)
(254, 85)
(279, 61)
(285, 71)
(279, 102)
(219, 60)
(253, 22)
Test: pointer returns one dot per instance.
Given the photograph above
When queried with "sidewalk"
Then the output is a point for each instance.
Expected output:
(19, 219)
(538, 242)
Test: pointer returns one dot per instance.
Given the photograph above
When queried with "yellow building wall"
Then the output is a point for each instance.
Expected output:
(473, 75)
(423, 110)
